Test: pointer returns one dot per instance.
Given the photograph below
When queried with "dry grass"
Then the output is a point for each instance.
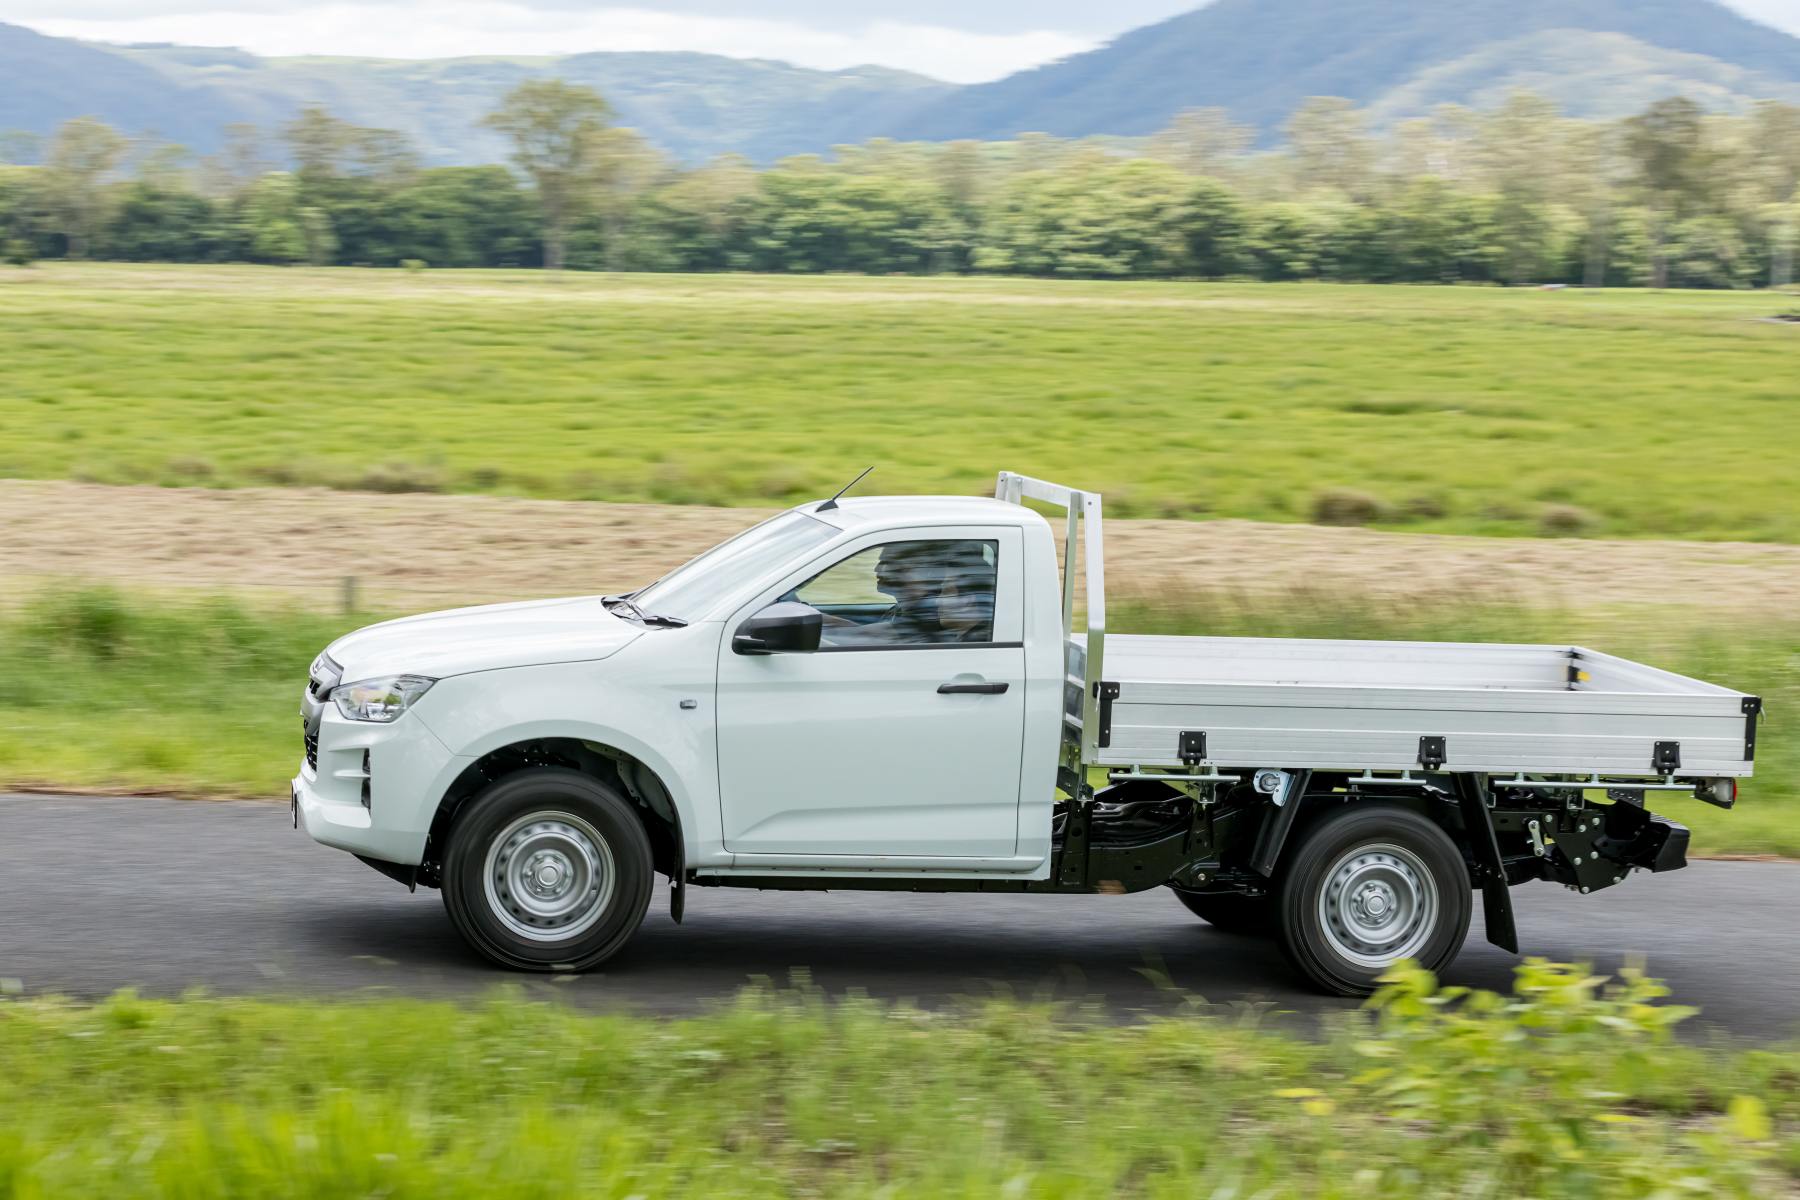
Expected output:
(419, 551)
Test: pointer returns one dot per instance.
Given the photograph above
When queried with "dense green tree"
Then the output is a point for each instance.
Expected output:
(1432, 233)
(78, 179)
(272, 214)
(1097, 219)
(1293, 239)
(703, 215)
(1220, 239)
(318, 143)
(465, 217)
(1671, 163)
(1515, 195)
(622, 168)
(158, 223)
(554, 128)
(806, 217)
(1706, 252)
(24, 221)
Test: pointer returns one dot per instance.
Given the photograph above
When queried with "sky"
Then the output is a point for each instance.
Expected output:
(965, 41)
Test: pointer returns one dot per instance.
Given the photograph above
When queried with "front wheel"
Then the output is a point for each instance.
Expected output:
(1367, 888)
(548, 870)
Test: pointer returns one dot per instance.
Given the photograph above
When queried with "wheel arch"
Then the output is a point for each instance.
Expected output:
(1457, 805)
(1319, 800)
(642, 783)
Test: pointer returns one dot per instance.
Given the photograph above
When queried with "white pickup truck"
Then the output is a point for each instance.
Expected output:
(911, 694)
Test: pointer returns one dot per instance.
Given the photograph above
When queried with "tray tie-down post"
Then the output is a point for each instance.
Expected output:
(1197, 780)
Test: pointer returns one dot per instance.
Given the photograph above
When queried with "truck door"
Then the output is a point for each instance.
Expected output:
(901, 735)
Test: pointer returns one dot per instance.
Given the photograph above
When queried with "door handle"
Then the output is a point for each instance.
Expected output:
(972, 689)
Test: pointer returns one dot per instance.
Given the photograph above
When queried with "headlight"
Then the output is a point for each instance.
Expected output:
(381, 699)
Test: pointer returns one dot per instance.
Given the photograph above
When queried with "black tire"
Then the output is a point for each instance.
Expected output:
(588, 843)
(1359, 869)
(1231, 912)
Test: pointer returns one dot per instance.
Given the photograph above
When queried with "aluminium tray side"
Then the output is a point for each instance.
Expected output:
(1365, 705)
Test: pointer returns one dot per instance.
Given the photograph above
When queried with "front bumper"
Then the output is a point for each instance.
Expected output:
(408, 771)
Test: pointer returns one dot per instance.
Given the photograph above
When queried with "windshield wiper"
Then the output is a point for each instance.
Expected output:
(642, 617)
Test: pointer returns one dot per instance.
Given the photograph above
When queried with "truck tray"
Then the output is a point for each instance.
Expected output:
(1355, 705)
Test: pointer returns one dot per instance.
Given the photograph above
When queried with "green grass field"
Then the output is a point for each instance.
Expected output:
(100, 690)
(1559, 1091)
(1470, 410)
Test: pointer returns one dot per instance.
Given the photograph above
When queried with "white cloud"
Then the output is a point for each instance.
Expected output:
(421, 29)
(1782, 14)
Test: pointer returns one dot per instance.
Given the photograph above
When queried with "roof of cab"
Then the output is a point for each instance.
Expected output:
(855, 512)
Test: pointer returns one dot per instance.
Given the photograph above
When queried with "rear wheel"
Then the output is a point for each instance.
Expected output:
(1231, 912)
(1367, 888)
(548, 870)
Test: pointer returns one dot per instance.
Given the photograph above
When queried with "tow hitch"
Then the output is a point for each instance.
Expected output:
(1596, 846)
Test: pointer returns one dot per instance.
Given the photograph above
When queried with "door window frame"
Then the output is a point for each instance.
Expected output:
(1009, 584)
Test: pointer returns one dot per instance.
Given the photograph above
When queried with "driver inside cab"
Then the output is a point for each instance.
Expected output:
(941, 592)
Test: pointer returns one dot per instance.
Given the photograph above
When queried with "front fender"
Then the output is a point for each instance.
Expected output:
(642, 713)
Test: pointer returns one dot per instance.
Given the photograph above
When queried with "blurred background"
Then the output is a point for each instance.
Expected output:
(1369, 318)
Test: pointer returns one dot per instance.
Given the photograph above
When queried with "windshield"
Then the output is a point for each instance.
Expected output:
(690, 591)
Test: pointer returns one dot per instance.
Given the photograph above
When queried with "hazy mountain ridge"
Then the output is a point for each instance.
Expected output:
(1593, 74)
(693, 105)
(1260, 59)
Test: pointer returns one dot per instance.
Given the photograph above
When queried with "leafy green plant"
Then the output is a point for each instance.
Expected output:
(1567, 1088)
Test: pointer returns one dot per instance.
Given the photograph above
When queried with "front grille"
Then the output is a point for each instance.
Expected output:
(322, 676)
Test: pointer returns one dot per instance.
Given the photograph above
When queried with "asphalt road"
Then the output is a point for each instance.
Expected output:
(168, 895)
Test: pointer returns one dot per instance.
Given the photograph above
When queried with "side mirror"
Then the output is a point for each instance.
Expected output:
(785, 628)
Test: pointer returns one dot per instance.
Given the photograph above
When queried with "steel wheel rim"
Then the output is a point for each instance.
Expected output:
(1379, 905)
(549, 876)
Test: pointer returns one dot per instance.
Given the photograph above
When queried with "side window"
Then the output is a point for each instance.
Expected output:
(923, 593)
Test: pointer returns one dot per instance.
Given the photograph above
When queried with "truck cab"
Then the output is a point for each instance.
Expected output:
(911, 693)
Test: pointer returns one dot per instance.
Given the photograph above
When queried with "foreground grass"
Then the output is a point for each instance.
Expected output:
(202, 699)
(1458, 410)
(1562, 1090)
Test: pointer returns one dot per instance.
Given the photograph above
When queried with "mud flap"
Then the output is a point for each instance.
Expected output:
(1278, 824)
(678, 875)
(1490, 871)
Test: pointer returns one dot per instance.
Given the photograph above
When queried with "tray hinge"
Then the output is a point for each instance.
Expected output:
(1191, 747)
(1106, 693)
(1665, 758)
(1432, 753)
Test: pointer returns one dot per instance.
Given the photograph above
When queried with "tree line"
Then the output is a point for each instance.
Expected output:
(1521, 194)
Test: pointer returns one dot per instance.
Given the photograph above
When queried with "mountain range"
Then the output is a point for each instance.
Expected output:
(1258, 59)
